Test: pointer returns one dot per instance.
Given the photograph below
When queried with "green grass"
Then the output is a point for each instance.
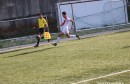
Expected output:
(21, 41)
(123, 78)
(69, 62)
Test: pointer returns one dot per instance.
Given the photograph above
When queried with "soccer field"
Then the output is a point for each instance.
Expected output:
(70, 62)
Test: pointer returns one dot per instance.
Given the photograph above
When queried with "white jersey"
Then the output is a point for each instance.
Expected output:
(66, 24)
(65, 28)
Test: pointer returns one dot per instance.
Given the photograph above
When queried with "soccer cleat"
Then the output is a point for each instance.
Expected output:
(36, 46)
(78, 37)
(55, 44)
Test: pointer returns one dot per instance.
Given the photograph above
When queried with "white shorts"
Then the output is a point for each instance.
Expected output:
(65, 30)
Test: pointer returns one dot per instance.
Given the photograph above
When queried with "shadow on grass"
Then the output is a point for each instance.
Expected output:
(25, 53)
(125, 47)
(14, 51)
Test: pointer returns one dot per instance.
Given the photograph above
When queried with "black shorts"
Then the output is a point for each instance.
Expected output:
(41, 30)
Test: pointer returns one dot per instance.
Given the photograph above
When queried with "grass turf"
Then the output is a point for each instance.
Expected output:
(123, 78)
(69, 62)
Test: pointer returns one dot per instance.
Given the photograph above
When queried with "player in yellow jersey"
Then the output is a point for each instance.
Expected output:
(42, 24)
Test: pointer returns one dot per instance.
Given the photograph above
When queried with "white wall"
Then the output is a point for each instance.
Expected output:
(94, 14)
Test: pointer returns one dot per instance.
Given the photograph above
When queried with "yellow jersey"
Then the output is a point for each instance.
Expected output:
(41, 23)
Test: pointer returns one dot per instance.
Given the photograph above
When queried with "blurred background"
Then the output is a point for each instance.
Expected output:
(17, 17)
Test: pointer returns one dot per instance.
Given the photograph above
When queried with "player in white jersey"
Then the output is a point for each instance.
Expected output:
(65, 28)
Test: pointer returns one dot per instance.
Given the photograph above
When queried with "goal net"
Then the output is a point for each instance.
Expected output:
(114, 13)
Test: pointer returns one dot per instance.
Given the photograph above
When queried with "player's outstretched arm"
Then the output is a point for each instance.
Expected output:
(62, 24)
(45, 22)
(72, 24)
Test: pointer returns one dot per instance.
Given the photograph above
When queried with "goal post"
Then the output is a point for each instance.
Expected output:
(92, 14)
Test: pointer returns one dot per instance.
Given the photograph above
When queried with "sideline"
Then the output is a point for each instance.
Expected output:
(10, 49)
(101, 77)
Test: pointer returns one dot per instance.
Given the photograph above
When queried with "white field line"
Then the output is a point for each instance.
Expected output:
(101, 77)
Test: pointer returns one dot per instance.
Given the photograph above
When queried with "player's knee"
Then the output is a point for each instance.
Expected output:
(68, 36)
(38, 37)
(59, 35)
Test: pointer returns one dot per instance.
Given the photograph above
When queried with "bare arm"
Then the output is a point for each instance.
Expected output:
(62, 24)
(46, 25)
(72, 24)
(44, 21)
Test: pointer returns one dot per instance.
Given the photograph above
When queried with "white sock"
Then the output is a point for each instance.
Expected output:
(58, 39)
(72, 35)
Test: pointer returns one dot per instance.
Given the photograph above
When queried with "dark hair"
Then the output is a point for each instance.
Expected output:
(64, 13)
